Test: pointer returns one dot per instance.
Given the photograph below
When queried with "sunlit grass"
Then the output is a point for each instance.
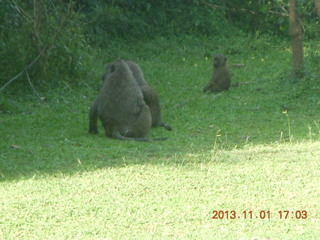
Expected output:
(174, 199)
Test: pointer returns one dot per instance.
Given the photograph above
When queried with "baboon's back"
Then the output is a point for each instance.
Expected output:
(123, 108)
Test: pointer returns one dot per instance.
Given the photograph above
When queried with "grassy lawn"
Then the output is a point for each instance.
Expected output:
(253, 148)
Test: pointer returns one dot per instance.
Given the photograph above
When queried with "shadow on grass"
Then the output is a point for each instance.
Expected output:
(68, 153)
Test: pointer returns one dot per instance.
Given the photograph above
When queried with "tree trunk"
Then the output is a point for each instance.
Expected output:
(317, 4)
(296, 35)
(39, 22)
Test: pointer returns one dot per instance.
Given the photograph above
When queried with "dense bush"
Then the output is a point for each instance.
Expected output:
(42, 28)
(128, 19)
(60, 31)
(271, 16)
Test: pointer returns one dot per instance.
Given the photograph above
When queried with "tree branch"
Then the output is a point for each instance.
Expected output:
(25, 69)
(43, 50)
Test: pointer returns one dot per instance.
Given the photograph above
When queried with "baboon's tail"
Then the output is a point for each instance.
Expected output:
(158, 139)
(166, 126)
(120, 137)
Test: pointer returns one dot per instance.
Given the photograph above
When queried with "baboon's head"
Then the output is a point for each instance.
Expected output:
(219, 60)
(108, 71)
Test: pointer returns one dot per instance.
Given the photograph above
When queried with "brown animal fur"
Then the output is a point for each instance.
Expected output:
(221, 78)
(120, 106)
(150, 95)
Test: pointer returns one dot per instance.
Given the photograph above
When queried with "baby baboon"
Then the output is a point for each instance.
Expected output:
(120, 106)
(221, 77)
(149, 94)
(151, 98)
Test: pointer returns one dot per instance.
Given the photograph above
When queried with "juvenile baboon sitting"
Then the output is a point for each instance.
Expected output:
(221, 77)
(149, 94)
(120, 106)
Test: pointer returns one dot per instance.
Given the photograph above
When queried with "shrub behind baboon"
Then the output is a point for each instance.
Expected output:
(221, 77)
(120, 106)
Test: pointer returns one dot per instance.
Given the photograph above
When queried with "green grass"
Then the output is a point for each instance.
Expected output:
(238, 150)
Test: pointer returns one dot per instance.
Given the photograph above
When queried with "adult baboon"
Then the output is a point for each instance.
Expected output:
(149, 94)
(120, 106)
(135, 69)
(221, 77)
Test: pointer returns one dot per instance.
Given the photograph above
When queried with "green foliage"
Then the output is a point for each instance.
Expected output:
(14, 41)
(60, 31)
(139, 19)
(129, 20)
(270, 16)
(251, 113)
(46, 29)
